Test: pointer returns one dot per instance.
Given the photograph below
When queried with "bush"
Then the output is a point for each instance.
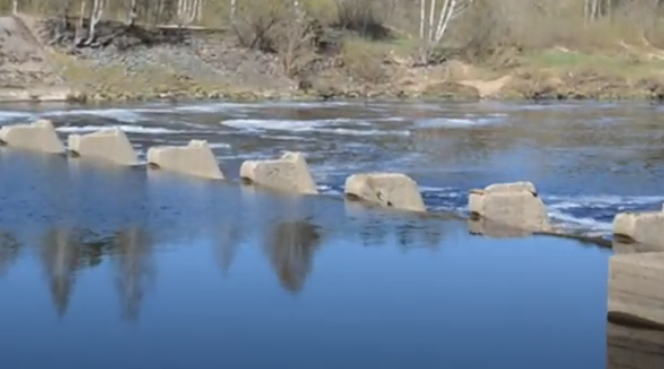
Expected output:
(363, 17)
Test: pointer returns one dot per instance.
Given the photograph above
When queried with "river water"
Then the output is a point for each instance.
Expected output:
(106, 267)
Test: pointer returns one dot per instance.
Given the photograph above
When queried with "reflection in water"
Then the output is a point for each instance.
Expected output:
(632, 348)
(9, 250)
(60, 253)
(290, 247)
(228, 247)
(135, 269)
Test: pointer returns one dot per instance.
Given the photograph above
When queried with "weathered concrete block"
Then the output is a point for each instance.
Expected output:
(513, 204)
(646, 227)
(511, 187)
(392, 190)
(290, 173)
(195, 159)
(631, 247)
(37, 136)
(634, 348)
(111, 145)
(636, 288)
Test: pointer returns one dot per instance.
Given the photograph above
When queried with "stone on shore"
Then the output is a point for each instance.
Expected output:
(110, 145)
(636, 292)
(37, 136)
(512, 204)
(290, 173)
(645, 227)
(195, 159)
(390, 190)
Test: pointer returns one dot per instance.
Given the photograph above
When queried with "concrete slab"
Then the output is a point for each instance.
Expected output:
(636, 288)
(290, 173)
(390, 190)
(108, 145)
(515, 204)
(38, 136)
(645, 227)
(195, 159)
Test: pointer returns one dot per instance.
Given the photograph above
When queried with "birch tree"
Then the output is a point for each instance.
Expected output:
(96, 14)
(189, 11)
(433, 29)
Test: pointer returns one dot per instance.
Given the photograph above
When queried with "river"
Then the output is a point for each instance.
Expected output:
(107, 267)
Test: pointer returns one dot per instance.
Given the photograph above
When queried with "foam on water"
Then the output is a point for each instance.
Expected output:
(329, 126)
(460, 122)
(126, 128)
(120, 115)
(9, 116)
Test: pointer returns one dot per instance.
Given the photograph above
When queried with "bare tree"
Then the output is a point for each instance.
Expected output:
(96, 14)
(433, 32)
(189, 11)
(133, 12)
(233, 14)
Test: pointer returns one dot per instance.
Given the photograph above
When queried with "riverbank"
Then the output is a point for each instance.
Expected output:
(210, 65)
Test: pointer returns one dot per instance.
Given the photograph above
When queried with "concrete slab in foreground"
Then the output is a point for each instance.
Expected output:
(634, 348)
(390, 190)
(38, 136)
(290, 173)
(109, 145)
(195, 159)
(636, 288)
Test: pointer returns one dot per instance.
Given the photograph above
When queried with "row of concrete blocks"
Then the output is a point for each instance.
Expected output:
(636, 282)
(515, 204)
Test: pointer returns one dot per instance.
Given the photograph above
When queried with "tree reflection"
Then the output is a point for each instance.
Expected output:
(230, 237)
(290, 248)
(60, 254)
(135, 269)
(9, 251)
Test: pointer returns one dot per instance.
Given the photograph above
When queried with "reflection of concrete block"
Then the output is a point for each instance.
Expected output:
(392, 190)
(290, 173)
(38, 136)
(633, 348)
(195, 159)
(646, 227)
(489, 228)
(111, 145)
(513, 204)
(636, 287)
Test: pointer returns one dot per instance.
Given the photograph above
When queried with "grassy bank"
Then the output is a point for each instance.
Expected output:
(370, 48)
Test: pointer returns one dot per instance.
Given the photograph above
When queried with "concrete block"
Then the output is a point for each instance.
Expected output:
(391, 190)
(634, 348)
(512, 204)
(195, 159)
(511, 187)
(290, 173)
(636, 288)
(631, 247)
(37, 136)
(110, 145)
(645, 227)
